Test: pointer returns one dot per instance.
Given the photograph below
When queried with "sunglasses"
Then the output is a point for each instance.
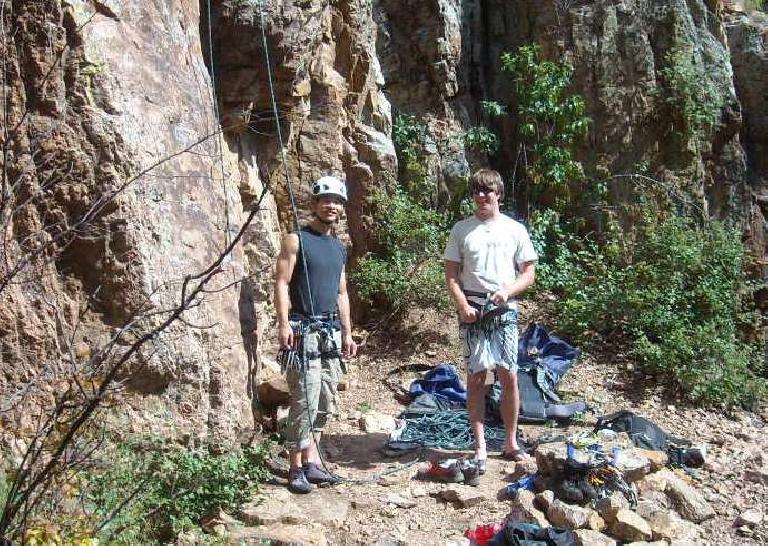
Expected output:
(485, 190)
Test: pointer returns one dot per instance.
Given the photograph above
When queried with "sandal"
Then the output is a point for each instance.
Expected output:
(517, 455)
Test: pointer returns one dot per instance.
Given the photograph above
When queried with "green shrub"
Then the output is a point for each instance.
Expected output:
(408, 269)
(692, 99)
(482, 139)
(550, 121)
(148, 496)
(680, 296)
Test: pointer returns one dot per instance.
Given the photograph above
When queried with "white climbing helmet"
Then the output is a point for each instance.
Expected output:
(329, 185)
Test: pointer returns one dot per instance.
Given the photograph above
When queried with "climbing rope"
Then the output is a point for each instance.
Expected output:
(448, 430)
(217, 116)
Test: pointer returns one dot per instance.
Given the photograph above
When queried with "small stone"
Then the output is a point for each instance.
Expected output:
(749, 518)
(418, 491)
(377, 422)
(399, 501)
(342, 386)
(629, 527)
(588, 537)
(430, 353)
(756, 475)
(464, 496)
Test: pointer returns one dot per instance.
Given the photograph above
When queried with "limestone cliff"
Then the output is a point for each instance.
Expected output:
(169, 102)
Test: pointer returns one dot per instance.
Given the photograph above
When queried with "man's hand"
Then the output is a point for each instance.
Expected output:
(285, 336)
(348, 346)
(500, 297)
(468, 314)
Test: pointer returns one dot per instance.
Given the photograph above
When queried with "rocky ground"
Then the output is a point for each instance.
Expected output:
(382, 503)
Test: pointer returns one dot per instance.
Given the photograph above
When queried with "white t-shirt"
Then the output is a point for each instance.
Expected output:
(490, 253)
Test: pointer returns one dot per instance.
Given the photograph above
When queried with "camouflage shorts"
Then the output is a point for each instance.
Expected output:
(313, 394)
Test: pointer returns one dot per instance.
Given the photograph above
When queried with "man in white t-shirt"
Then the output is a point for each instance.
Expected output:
(489, 261)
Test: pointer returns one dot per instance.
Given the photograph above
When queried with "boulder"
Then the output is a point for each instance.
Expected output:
(273, 393)
(629, 527)
(596, 522)
(588, 537)
(657, 459)
(688, 502)
(551, 457)
(633, 465)
(609, 506)
(544, 499)
(568, 516)
(523, 509)
(667, 526)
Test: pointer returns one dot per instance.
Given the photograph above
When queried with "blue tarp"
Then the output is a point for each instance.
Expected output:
(442, 381)
(556, 355)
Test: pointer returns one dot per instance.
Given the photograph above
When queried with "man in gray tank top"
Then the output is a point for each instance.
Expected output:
(314, 327)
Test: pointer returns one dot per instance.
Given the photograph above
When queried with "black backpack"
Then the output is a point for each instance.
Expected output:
(644, 434)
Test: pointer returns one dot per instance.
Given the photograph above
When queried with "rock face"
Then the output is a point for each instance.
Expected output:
(748, 41)
(335, 119)
(111, 116)
(136, 148)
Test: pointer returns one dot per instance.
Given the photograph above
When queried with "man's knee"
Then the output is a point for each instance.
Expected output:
(508, 380)
(476, 384)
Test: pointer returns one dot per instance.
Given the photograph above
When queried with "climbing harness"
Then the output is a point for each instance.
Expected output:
(297, 357)
(491, 317)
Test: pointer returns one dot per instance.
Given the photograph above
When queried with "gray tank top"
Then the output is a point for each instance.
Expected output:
(325, 257)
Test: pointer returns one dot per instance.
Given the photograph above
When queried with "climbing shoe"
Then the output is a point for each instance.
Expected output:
(471, 472)
(481, 465)
(297, 482)
(442, 471)
(315, 474)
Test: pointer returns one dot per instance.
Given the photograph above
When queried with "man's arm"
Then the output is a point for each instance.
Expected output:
(347, 343)
(467, 313)
(286, 262)
(523, 281)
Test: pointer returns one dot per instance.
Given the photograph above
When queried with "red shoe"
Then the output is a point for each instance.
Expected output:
(442, 471)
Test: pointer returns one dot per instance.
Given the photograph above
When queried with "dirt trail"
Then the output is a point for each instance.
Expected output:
(397, 509)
